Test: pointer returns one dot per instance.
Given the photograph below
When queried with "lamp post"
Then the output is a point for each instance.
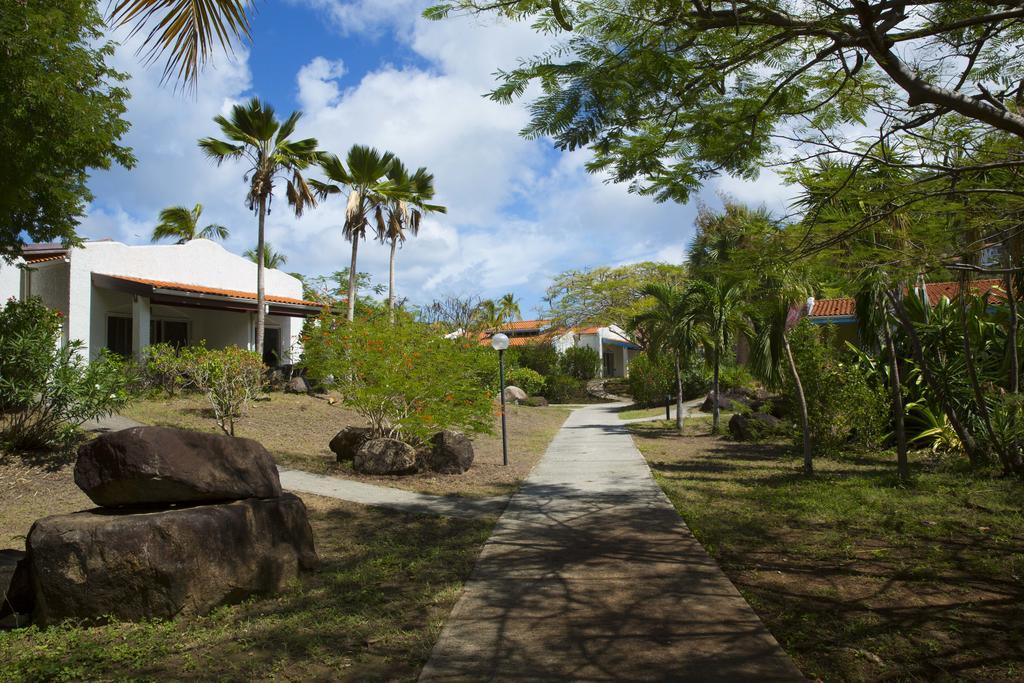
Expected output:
(499, 343)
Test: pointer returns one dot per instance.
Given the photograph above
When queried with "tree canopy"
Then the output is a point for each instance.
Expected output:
(63, 109)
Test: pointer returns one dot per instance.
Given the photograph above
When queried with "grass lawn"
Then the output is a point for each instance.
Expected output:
(634, 413)
(372, 611)
(858, 577)
(297, 429)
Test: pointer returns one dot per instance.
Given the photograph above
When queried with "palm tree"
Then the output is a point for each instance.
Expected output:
(670, 326)
(256, 136)
(403, 212)
(364, 177)
(271, 259)
(488, 316)
(187, 30)
(509, 307)
(181, 224)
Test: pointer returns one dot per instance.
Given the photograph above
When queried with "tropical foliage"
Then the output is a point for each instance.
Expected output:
(271, 258)
(182, 225)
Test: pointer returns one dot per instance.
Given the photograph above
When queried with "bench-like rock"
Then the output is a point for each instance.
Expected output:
(385, 456)
(161, 465)
(450, 452)
(754, 426)
(348, 441)
(144, 565)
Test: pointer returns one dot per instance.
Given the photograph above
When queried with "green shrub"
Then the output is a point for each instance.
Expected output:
(580, 362)
(542, 358)
(735, 377)
(530, 381)
(564, 389)
(231, 378)
(403, 378)
(48, 389)
(843, 405)
(535, 402)
(651, 379)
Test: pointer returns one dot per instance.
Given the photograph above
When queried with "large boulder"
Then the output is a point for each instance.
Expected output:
(296, 385)
(754, 426)
(724, 403)
(385, 456)
(450, 452)
(348, 441)
(144, 565)
(15, 589)
(514, 394)
(160, 465)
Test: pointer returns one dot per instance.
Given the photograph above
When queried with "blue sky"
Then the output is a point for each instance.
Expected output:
(375, 72)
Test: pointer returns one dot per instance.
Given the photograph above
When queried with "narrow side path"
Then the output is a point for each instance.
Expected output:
(388, 497)
(591, 575)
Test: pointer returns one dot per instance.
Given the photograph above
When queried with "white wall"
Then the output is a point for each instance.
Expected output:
(10, 280)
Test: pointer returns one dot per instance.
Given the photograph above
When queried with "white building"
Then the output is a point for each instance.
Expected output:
(123, 298)
(612, 344)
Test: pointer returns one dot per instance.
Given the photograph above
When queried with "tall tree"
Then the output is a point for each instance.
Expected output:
(606, 294)
(182, 225)
(508, 306)
(364, 178)
(63, 114)
(671, 325)
(271, 258)
(256, 136)
(403, 212)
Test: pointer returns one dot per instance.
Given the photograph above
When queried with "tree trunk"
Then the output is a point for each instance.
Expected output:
(805, 423)
(391, 279)
(929, 378)
(679, 395)
(352, 278)
(1011, 340)
(716, 413)
(261, 298)
(902, 463)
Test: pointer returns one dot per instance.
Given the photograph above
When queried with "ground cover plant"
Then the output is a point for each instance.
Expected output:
(859, 576)
(371, 611)
(297, 429)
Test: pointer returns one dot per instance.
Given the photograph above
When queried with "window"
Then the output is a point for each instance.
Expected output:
(173, 332)
(119, 335)
(271, 346)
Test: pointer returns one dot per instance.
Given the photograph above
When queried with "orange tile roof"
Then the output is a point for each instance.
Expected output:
(40, 259)
(201, 289)
(590, 330)
(524, 325)
(826, 308)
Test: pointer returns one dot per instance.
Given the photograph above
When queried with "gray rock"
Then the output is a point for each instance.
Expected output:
(296, 385)
(385, 456)
(159, 465)
(450, 452)
(348, 441)
(145, 565)
(514, 394)
(15, 589)
(754, 426)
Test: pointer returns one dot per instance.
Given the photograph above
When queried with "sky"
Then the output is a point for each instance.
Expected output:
(375, 72)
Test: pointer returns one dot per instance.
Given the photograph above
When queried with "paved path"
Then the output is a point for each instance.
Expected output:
(386, 496)
(591, 575)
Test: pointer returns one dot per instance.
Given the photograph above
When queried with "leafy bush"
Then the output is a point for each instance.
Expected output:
(48, 389)
(231, 377)
(403, 378)
(535, 402)
(542, 358)
(564, 389)
(842, 404)
(171, 369)
(580, 362)
(735, 377)
(530, 381)
(651, 379)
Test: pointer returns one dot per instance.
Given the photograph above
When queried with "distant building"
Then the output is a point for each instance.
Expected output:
(123, 298)
(612, 344)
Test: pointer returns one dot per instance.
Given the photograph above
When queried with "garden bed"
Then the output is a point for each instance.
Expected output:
(371, 611)
(857, 576)
(297, 429)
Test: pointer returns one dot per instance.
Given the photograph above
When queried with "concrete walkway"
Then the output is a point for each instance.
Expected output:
(388, 497)
(591, 575)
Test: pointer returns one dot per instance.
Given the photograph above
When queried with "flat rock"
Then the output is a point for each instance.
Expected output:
(143, 565)
(385, 456)
(161, 465)
(450, 452)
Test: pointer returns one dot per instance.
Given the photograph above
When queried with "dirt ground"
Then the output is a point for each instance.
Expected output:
(858, 576)
(297, 429)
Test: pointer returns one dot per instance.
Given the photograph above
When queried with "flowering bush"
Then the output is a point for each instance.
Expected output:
(231, 377)
(48, 389)
(403, 378)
